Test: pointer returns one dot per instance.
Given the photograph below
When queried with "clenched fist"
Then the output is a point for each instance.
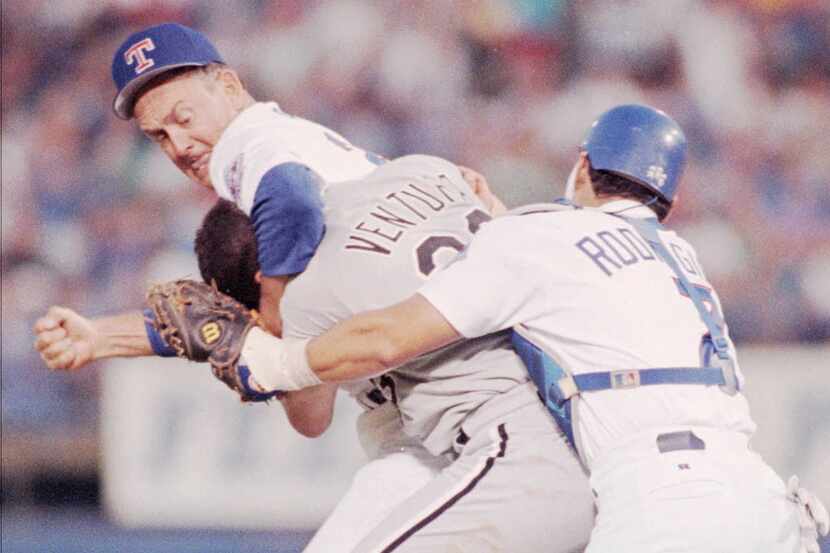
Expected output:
(65, 339)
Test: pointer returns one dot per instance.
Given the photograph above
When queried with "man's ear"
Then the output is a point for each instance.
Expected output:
(673, 207)
(584, 164)
(258, 277)
(230, 82)
(582, 183)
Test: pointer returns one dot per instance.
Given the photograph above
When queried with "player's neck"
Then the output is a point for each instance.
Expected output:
(584, 193)
(601, 201)
(592, 200)
(244, 103)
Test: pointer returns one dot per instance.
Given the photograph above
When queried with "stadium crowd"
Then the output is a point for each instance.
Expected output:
(91, 212)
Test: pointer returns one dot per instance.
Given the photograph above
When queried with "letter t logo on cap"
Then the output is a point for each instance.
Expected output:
(136, 53)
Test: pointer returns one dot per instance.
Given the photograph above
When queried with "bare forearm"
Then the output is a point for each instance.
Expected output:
(121, 335)
(310, 410)
(69, 341)
(361, 347)
(376, 341)
(355, 349)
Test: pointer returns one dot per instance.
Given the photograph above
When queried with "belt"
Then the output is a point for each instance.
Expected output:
(677, 441)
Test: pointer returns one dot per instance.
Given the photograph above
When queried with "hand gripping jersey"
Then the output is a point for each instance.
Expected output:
(384, 236)
(584, 287)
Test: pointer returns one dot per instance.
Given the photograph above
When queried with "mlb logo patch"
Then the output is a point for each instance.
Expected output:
(137, 54)
(233, 178)
(625, 379)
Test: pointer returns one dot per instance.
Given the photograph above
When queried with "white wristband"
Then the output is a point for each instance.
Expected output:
(277, 364)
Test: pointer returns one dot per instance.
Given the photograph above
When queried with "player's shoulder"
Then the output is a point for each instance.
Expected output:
(423, 163)
(542, 223)
(393, 176)
(252, 121)
(254, 144)
(556, 206)
(563, 213)
(538, 215)
(515, 228)
(416, 166)
(244, 143)
(264, 130)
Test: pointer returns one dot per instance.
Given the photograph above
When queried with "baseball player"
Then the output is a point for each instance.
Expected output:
(183, 96)
(512, 483)
(216, 134)
(176, 85)
(624, 336)
(377, 250)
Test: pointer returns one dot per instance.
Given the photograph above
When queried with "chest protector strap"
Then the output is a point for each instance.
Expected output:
(557, 385)
(715, 337)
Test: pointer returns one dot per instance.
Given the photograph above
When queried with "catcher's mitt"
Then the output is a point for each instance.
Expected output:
(202, 324)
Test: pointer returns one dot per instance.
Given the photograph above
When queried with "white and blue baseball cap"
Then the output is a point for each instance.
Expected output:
(152, 51)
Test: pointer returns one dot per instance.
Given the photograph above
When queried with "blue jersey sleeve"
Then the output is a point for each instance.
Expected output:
(287, 215)
(158, 344)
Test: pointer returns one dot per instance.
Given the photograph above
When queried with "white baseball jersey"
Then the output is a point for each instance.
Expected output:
(670, 465)
(378, 249)
(406, 220)
(583, 286)
(263, 136)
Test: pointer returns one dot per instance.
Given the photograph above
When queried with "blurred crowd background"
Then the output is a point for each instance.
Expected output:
(91, 211)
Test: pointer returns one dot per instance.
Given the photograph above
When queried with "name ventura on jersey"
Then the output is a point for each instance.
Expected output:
(388, 221)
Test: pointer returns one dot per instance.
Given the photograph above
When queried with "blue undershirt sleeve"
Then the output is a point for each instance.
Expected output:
(158, 344)
(287, 216)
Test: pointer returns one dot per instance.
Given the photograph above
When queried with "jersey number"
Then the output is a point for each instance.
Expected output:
(708, 301)
(429, 248)
(707, 348)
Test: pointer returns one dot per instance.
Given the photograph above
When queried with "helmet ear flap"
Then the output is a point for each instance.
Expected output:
(640, 143)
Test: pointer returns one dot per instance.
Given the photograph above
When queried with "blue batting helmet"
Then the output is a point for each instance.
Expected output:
(640, 143)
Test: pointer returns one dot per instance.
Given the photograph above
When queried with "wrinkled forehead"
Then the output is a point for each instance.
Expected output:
(159, 98)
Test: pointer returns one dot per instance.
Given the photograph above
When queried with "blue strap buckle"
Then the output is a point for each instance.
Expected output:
(633, 378)
(555, 385)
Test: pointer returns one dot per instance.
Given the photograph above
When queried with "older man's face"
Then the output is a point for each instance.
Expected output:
(186, 116)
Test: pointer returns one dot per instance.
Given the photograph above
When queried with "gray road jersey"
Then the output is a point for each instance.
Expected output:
(384, 235)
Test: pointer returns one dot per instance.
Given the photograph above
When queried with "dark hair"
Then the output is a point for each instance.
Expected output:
(606, 183)
(227, 251)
